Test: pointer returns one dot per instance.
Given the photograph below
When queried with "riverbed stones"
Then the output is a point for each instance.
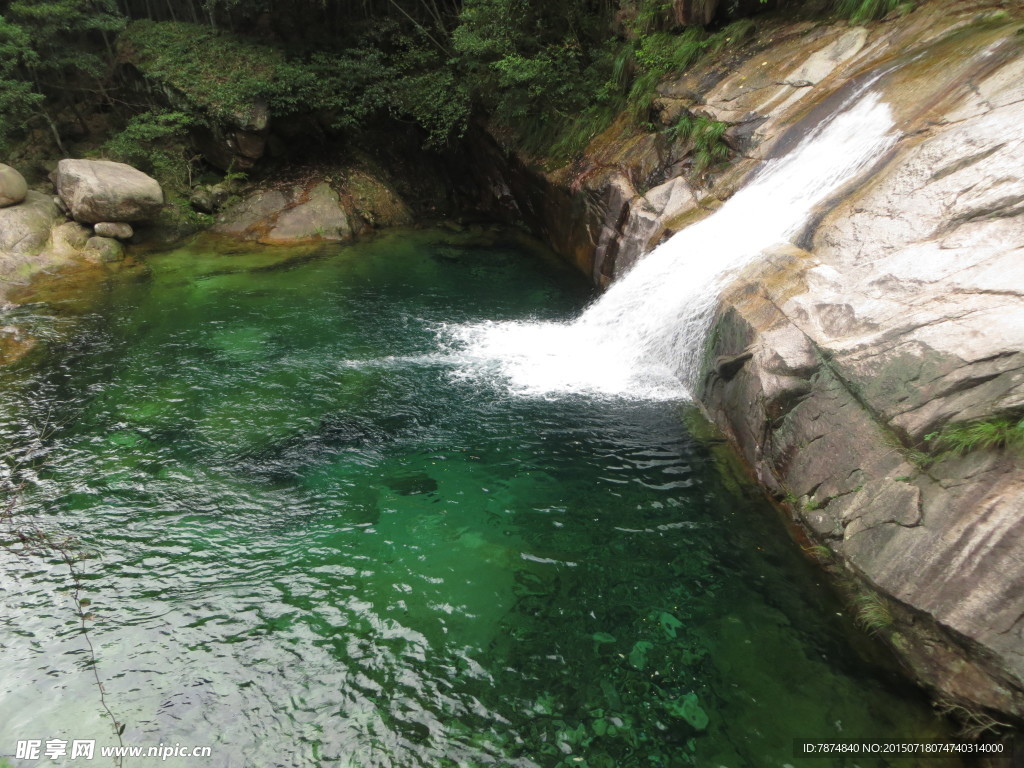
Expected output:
(101, 190)
(12, 186)
(316, 210)
(210, 198)
(105, 248)
(119, 230)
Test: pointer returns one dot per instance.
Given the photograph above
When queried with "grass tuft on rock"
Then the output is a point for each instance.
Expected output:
(1001, 432)
(873, 614)
(860, 11)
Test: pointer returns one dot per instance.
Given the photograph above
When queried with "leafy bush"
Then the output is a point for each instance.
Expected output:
(155, 142)
(18, 99)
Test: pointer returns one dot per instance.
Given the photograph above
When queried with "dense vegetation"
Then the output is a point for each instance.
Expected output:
(548, 73)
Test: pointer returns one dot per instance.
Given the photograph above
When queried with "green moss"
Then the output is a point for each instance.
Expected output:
(819, 552)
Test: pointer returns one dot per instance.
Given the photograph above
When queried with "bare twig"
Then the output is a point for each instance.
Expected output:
(26, 538)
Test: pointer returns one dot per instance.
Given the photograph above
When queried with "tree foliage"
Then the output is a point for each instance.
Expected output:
(551, 72)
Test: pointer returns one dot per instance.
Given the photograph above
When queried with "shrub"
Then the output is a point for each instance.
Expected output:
(155, 142)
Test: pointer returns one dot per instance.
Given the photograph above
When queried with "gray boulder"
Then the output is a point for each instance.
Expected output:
(101, 190)
(12, 186)
(25, 228)
(118, 229)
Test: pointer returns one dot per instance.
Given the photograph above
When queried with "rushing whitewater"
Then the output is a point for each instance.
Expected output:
(644, 336)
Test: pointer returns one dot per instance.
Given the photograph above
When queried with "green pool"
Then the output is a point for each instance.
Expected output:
(305, 540)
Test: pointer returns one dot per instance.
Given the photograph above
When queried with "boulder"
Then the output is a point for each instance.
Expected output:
(107, 248)
(102, 190)
(12, 186)
(320, 217)
(25, 228)
(118, 230)
(70, 236)
(210, 198)
(314, 211)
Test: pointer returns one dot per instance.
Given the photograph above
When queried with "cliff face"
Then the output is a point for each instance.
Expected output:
(839, 371)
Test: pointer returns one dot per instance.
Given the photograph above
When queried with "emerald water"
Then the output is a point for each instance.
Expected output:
(306, 537)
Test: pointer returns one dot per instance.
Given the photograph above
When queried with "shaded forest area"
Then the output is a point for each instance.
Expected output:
(137, 80)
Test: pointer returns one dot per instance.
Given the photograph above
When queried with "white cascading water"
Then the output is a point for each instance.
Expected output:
(644, 337)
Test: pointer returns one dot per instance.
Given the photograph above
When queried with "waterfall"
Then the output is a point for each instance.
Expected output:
(644, 337)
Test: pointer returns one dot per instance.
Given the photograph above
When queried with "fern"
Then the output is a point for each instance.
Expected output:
(707, 137)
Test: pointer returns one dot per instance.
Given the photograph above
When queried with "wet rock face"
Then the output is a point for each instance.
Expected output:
(909, 320)
(236, 142)
(101, 190)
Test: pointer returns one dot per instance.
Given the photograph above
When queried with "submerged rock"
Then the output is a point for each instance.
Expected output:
(688, 708)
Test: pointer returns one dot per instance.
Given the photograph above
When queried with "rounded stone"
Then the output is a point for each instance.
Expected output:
(107, 248)
(117, 229)
(12, 186)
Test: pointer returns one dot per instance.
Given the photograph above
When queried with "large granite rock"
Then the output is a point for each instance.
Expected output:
(12, 186)
(102, 190)
(907, 319)
(25, 228)
(314, 211)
